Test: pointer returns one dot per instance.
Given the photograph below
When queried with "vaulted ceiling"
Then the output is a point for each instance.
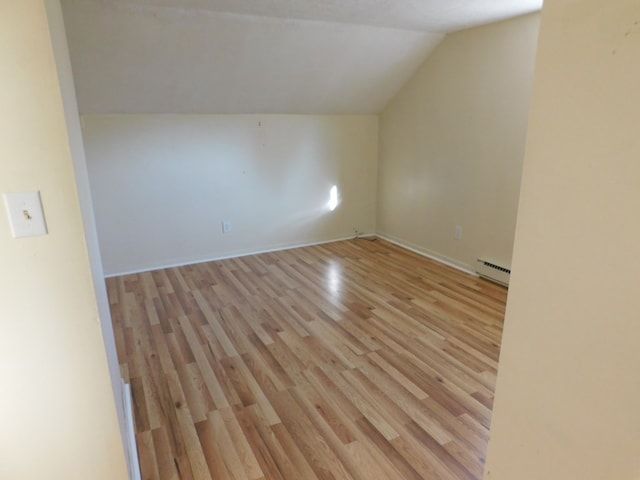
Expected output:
(258, 56)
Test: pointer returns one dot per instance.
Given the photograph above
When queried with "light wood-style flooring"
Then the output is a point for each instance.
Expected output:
(350, 360)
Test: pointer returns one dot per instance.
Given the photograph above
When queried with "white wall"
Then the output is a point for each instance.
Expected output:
(452, 144)
(57, 413)
(568, 392)
(162, 184)
(70, 105)
(135, 58)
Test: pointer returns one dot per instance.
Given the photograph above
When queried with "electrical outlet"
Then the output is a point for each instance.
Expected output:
(458, 234)
(226, 226)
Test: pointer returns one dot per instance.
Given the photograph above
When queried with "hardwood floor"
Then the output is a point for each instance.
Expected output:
(352, 360)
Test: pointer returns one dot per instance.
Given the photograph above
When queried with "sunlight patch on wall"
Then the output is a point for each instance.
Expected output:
(333, 198)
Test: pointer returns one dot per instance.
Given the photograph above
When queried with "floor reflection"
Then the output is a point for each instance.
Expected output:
(334, 280)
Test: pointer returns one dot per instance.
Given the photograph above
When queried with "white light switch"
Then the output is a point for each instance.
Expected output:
(25, 214)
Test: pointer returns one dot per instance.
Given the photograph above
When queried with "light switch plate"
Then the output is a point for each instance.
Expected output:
(25, 214)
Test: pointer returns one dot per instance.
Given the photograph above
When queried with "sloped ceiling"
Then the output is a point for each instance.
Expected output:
(258, 56)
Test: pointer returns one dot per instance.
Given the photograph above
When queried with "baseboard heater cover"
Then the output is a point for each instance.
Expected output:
(493, 271)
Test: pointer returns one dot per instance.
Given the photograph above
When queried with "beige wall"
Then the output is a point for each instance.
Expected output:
(163, 184)
(452, 144)
(568, 392)
(57, 414)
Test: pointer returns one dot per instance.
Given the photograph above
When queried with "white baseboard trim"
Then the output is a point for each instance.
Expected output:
(133, 461)
(429, 254)
(396, 241)
(277, 248)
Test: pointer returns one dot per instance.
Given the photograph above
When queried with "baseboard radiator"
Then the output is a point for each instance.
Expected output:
(492, 271)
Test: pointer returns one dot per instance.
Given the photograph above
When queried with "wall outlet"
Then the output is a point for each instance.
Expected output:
(458, 233)
(226, 226)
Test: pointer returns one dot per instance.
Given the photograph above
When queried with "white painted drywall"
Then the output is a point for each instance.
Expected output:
(568, 390)
(163, 184)
(65, 78)
(130, 58)
(425, 15)
(452, 144)
(57, 413)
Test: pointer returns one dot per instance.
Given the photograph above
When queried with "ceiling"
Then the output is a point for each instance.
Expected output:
(259, 56)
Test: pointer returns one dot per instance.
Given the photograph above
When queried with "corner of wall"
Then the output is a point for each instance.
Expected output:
(451, 145)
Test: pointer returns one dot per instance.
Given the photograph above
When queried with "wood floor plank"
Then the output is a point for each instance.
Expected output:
(165, 461)
(354, 360)
(147, 455)
(240, 445)
(324, 461)
(268, 453)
